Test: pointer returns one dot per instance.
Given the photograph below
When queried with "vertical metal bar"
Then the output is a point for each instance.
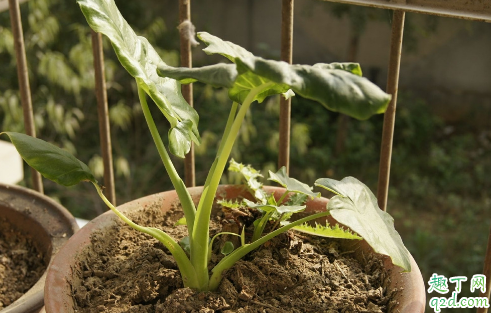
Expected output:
(390, 114)
(103, 113)
(22, 73)
(285, 105)
(487, 273)
(187, 90)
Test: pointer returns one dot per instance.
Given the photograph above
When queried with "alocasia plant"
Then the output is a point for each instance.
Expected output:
(338, 87)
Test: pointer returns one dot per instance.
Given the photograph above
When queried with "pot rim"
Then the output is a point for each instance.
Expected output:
(48, 223)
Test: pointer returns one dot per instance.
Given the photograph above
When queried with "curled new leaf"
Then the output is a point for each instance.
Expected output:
(52, 162)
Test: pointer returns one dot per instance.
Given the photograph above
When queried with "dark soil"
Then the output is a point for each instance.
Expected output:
(21, 264)
(127, 271)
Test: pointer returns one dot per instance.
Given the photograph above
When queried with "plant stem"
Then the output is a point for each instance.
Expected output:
(185, 267)
(200, 233)
(180, 187)
(283, 196)
(228, 261)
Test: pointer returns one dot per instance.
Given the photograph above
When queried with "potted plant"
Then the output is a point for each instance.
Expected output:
(33, 229)
(338, 87)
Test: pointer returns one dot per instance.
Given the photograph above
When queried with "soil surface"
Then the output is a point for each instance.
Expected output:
(21, 264)
(128, 271)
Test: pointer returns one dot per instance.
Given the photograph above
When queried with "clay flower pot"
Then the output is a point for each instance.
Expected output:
(46, 223)
(58, 297)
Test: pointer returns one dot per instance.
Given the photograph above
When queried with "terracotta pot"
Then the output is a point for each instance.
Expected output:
(58, 295)
(46, 222)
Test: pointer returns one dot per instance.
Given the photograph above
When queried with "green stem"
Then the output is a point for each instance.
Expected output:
(185, 267)
(210, 245)
(180, 187)
(258, 231)
(283, 196)
(200, 234)
(228, 261)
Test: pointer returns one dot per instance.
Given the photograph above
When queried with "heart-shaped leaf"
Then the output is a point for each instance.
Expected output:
(338, 86)
(291, 184)
(52, 162)
(140, 59)
(357, 208)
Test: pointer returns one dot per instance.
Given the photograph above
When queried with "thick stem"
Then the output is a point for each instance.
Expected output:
(200, 234)
(182, 192)
(185, 267)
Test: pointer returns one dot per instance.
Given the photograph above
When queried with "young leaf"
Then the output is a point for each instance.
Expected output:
(291, 184)
(52, 162)
(230, 204)
(140, 59)
(227, 248)
(326, 231)
(185, 244)
(357, 208)
(279, 209)
(181, 221)
(250, 175)
(297, 199)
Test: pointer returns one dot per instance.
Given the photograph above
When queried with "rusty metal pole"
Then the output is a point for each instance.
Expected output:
(487, 273)
(285, 105)
(187, 90)
(103, 113)
(390, 114)
(25, 90)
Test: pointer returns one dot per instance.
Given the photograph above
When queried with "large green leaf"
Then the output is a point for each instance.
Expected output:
(337, 86)
(356, 207)
(52, 162)
(291, 184)
(140, 59)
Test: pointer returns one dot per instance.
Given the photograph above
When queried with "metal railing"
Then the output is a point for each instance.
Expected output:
(477, 10)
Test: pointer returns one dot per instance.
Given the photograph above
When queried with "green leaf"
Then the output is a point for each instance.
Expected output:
(336, 86)
(231, 204)
(357, 208)
(179, 139)
(281, 209)
(326, 231)
(140, 59)
(52, 162)
(250, 175)
(297, 199)
(181, 221)
(227, 248)
(291, 184)
(185, 244)
(353, 68)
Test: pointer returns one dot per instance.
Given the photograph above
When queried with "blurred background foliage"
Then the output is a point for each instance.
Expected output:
(440, 172)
